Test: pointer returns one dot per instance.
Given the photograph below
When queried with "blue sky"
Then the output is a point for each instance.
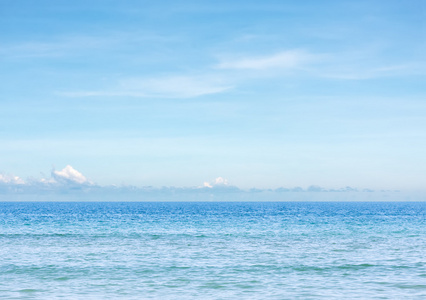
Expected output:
(177, 93)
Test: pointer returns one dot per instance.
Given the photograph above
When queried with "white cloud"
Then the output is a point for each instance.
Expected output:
(10, 179)
(282, 60)
(218, 182)
(69, 175)
(161, 87)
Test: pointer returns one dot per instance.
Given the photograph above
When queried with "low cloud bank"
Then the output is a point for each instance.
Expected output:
(69, 184)
(10, 179)
(65, 179)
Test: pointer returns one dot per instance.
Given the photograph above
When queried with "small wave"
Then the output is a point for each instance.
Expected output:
(346, 267)
(63, 278)
(28, 291)
(411, 286)
(355, 267)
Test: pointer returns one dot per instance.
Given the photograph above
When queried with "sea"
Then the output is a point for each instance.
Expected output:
(212, 250)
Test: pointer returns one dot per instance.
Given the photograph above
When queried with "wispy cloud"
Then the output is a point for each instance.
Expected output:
(61, 46)
(350, 65)
(360, 71)
(70, 45)
(282, 60)
(232, 71)
(160, 87)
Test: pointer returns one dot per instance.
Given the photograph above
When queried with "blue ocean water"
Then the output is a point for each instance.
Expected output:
(229, 250)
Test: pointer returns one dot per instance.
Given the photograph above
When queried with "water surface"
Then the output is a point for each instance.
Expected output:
(200, 250)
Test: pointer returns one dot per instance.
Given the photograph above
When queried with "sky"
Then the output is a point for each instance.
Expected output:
(262, 94)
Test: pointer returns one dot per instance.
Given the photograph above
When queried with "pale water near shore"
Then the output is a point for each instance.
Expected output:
(212, 250)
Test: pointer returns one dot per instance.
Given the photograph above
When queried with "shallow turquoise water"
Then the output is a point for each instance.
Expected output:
(212, 250)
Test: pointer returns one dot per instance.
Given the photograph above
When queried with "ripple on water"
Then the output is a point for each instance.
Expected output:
(28, 291)
(212, 250)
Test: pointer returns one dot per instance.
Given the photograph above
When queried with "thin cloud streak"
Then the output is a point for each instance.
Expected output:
(282, 60)
(340, 65)
(221, 77)
(359, 72)
(60, 47)
(70, 45)
(163, 87)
